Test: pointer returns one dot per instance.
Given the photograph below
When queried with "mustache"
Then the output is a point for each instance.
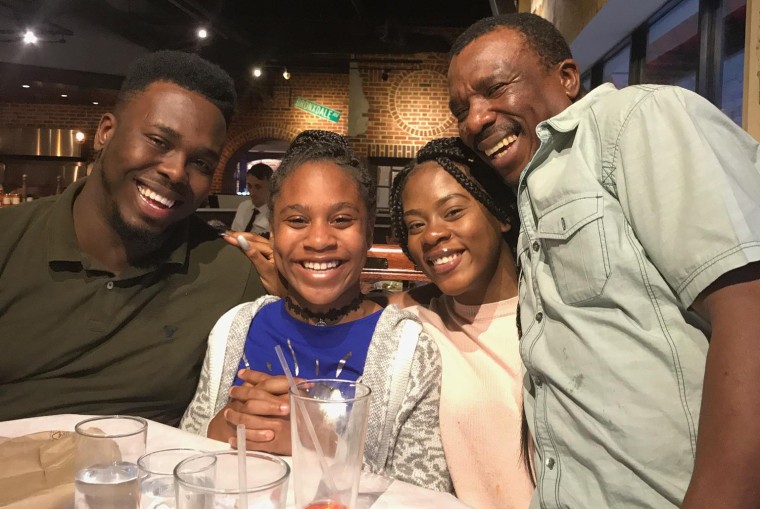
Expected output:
(505, 128)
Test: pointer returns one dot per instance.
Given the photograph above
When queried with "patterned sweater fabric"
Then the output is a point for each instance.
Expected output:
(403, 369)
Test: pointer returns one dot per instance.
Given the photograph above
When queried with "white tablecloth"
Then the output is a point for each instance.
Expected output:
(397, 495)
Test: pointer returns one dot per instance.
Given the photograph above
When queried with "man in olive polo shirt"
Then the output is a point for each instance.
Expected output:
(108, 292)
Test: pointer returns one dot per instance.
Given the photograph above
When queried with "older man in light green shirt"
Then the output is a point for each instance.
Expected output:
(640, 281)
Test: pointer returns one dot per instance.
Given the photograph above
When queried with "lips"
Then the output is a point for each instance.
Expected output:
(321, 266)
(154, 199)
(501, 146)
(444, 262)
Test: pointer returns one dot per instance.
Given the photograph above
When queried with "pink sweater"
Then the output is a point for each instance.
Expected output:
(481, 400)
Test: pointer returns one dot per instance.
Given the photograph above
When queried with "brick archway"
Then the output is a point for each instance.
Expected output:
(242, 138)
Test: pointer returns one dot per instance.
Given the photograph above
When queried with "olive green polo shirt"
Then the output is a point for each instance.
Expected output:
(77, 339)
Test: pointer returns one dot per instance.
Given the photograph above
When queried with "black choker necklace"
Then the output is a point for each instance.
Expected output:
(332, 315)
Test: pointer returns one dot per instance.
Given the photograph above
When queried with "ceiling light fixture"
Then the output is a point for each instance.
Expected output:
(95, 103)
(24, 86)
(202, 33)
(285, 73)
(30, 37)
(256, 72)
(79, 136)
(64, 95)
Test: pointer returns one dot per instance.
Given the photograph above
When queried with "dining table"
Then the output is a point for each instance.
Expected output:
(375, 491)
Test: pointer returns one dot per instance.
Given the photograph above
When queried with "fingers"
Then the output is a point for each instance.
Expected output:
(252, 377)
(261, 434)
(254, 401)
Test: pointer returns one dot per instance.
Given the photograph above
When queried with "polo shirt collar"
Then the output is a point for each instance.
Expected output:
(62, 243)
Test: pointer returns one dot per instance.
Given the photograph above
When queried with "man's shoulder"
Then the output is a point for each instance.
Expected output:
(627, 100)
(18, 219)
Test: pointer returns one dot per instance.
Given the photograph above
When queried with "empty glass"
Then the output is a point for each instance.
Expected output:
(201, 487)
(156, 473)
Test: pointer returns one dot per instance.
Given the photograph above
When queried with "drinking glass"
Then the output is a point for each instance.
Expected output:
(106, 462)
(218, 487)
(334, 413)
(156, 476)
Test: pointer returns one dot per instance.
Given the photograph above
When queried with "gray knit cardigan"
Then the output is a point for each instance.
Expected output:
(403, 369)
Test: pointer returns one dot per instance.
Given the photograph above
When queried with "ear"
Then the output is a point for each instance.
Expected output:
(105, 131)
(570, 78)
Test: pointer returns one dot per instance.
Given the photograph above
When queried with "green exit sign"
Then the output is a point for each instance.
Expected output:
(317, 109)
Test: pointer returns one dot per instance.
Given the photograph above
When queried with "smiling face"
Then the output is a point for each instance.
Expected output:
(452, 237)
(159, 152)
(500, 90)
(320, 235)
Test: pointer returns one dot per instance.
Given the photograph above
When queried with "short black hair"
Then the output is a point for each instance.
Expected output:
(485, 186)
(260, 171)
(317, 145)
(543, 37)
(187, 70)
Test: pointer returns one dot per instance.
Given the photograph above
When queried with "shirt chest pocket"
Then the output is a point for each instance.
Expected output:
(572, 235)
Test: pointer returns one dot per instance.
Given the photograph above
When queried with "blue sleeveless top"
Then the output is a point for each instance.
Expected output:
(312, 351)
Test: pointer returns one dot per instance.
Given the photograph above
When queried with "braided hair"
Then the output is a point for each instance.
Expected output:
(485, 186)
(317, 145)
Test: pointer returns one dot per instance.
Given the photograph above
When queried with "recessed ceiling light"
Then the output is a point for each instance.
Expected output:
(79, 136)
(95, 102)
(29, 37)
(64, 95)
(24, 86)
(202, 33)
(256, 72)
(286, 74)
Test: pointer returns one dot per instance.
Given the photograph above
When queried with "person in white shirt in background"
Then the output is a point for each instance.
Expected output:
(257, 182)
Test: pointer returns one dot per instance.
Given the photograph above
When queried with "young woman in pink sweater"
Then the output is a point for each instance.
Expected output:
(457, 221)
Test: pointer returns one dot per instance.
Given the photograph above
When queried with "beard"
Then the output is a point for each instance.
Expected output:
(141, 242)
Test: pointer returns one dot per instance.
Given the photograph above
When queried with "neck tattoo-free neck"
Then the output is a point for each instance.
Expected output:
(331, 315)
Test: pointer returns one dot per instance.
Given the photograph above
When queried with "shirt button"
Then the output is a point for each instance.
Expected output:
(550, 463)
(109, 285)
(536, 246)
(539, 316)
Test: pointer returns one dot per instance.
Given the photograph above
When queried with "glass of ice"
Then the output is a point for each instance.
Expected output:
(200, 487)
(156, 474)
(106, 462)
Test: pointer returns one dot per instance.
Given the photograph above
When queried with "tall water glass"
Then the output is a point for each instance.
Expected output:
(218, 487)
(106, 462)
(156, 475)
(327, 476)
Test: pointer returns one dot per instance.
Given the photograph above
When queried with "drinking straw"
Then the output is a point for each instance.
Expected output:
(242, 474)
(307, 420)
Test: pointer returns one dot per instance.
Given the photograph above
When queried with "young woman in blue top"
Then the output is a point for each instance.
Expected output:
(323, 208)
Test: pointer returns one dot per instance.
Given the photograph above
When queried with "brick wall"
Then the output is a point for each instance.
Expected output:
(402, 112)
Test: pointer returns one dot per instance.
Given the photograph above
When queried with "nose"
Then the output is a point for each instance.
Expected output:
(479, 117)
(435, 232)
(319, 236)
(174, 166)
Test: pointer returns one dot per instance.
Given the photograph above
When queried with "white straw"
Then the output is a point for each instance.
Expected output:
(242, 474)
(307, 419)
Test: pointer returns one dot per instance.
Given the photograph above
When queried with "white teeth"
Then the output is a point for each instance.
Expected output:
(503, 143)
(445, 259)
(166, 202)
(320, 266)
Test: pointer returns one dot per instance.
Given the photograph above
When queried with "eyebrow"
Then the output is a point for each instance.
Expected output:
(437, 203)
(479, 85)
(338, 206)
